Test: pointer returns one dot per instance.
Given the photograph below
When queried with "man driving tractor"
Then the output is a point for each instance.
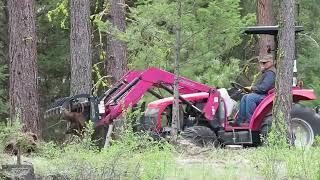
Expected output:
(258, 91)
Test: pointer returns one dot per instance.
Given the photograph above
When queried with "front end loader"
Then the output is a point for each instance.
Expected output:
(125, 93)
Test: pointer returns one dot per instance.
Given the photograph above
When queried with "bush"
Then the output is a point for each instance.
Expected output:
(278, 160)
(287, 163)
(134, 155)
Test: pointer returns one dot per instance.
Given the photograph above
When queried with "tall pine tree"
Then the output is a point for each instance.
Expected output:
(23, 64)
(283, 100)
(80, 47)
(117, 61)
(265, 18)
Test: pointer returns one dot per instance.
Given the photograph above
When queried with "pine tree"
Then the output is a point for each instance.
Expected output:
(23, 64)
(80, 47)
(283, 100)
(175, 108)
(265, 18)
(117, 61)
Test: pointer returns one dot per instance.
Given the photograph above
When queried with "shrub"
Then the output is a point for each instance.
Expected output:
(134, 155)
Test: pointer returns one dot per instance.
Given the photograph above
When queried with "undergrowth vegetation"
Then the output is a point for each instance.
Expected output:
(287, 163)
(136, 156)
(125, 159)
(132, 156)
(276, 159)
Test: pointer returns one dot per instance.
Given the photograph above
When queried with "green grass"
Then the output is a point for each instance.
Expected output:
(214, 164)
(158, 163)
(285, 163)
(138, 157)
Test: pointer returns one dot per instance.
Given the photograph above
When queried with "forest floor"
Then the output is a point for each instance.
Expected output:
(185, 162)
(201, 163)
(215, 163)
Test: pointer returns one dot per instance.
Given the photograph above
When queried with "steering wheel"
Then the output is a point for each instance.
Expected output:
(237, 85)
(236, 92)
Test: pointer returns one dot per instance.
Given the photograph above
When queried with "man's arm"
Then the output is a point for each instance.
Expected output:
(266, 84)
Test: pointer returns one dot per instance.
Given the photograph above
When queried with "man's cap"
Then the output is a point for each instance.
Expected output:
(266, 58)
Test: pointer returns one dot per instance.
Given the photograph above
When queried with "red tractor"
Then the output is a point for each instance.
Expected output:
(305, 122)
(204, 114)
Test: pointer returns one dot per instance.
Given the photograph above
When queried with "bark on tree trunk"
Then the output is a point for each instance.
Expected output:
(283, 101)
(80, 47)
(23, 64)
(117, 61)
(175, 108)
(265, 17)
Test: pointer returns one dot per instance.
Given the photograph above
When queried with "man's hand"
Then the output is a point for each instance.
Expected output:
(247, 89)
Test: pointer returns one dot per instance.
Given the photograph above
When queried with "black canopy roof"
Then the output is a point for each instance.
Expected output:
(271, 30)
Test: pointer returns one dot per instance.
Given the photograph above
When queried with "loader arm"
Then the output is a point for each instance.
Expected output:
(132, 93)
(128, 91)
(127, 78)
(73, 104)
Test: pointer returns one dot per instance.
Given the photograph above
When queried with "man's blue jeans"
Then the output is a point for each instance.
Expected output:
(248, 104)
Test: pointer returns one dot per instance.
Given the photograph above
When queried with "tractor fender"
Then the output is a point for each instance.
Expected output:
(266, 105)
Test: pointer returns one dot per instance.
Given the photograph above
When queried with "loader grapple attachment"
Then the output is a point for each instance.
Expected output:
(56, 107)
(76, 103)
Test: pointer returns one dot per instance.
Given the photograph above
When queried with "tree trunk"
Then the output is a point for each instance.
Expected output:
(265, 18)
(80, 47)
(116, 63)
(175, 108)
(283, 101)
(23, 64)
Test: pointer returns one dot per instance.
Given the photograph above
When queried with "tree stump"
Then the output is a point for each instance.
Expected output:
(15, 172)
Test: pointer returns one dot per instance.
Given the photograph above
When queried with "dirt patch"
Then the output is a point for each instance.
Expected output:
(214, 163)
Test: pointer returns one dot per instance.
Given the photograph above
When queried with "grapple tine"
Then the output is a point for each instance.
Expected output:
(52, 112)
(56, 107)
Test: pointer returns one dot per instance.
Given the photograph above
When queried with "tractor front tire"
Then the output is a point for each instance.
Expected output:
(200, 136)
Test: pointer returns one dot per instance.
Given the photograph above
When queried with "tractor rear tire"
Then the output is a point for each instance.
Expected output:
(200, 136)
(305, 119)
(265, 128)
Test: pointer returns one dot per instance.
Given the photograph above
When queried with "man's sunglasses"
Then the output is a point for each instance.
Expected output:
(264, 62)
